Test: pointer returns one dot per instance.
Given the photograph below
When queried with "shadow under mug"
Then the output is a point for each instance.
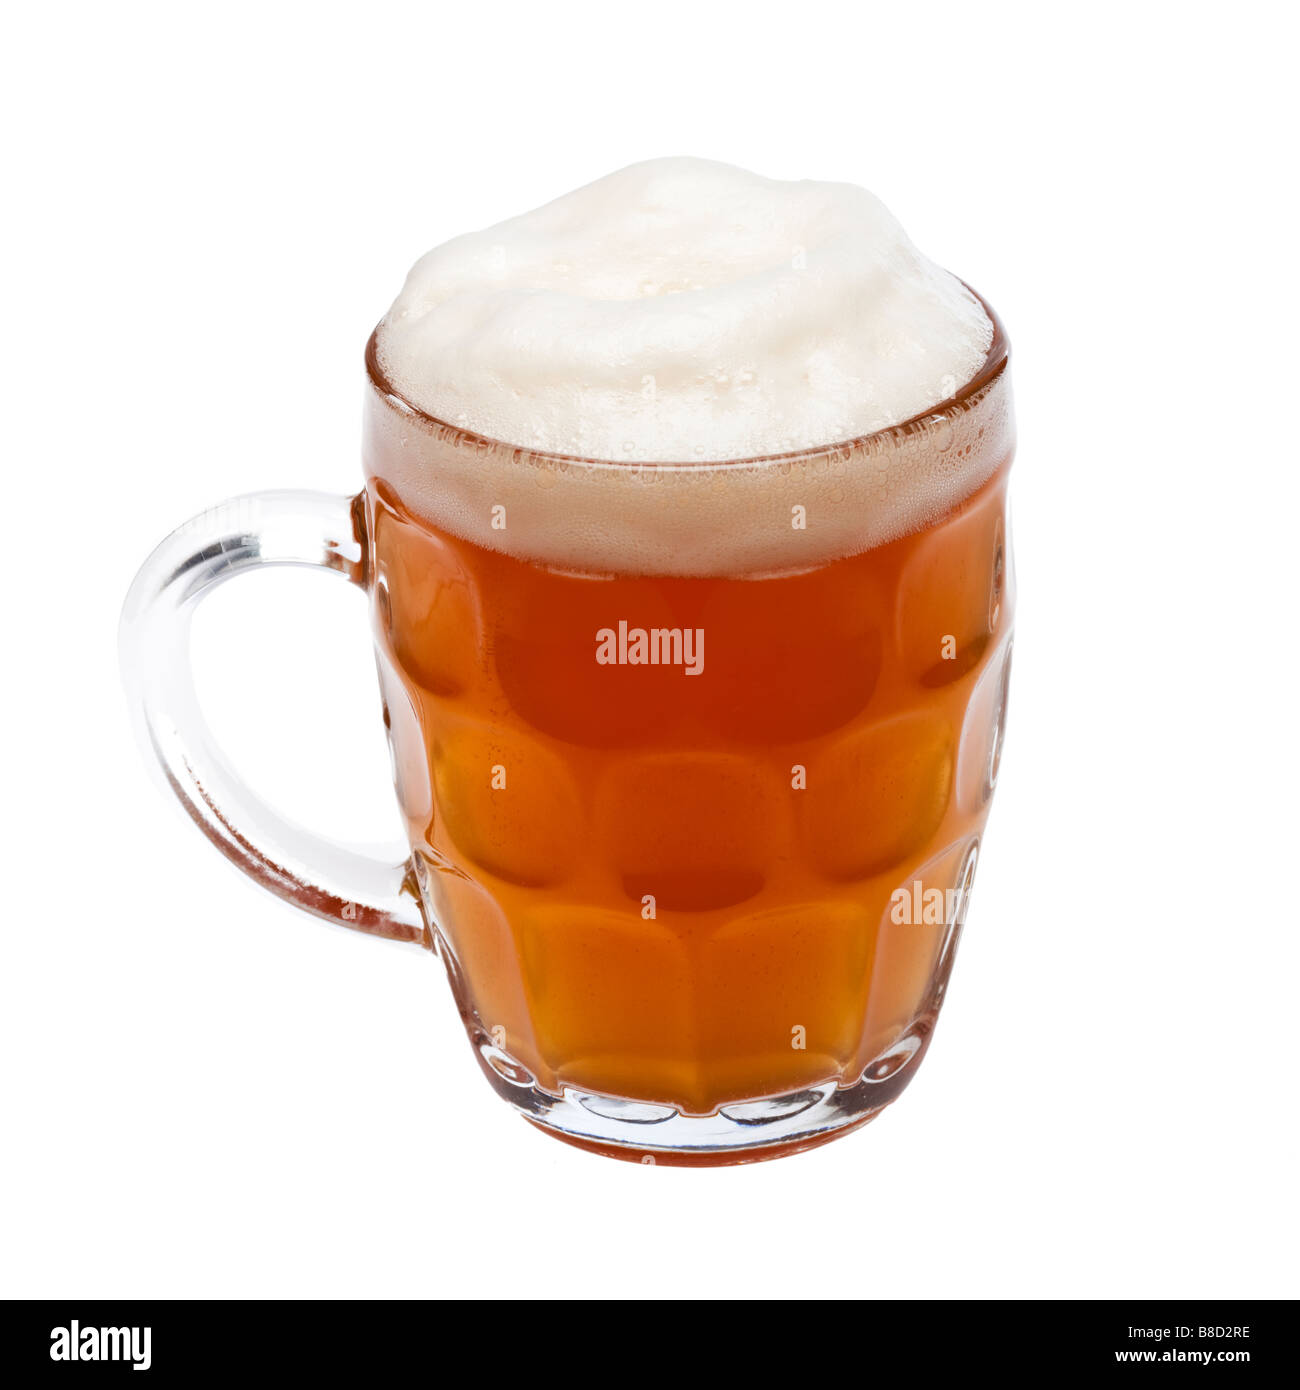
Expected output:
(694, 759)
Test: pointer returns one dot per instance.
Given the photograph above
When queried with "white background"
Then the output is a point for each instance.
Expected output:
(205, 1093)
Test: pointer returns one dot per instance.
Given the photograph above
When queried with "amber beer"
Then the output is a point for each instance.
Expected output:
(684, 534)
(692, 838)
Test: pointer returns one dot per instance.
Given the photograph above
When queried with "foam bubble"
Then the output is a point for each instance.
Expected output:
(683, 310)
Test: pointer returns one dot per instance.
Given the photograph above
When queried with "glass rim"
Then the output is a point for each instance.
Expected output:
(995, 364)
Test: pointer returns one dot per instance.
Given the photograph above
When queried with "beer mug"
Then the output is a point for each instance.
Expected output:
(694, 758)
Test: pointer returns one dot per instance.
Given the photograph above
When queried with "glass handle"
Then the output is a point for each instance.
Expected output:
(268, 528)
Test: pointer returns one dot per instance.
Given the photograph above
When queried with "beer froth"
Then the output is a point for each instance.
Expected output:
(684, 368)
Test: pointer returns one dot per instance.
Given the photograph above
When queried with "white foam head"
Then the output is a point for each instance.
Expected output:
(683, 310)
(651, 374)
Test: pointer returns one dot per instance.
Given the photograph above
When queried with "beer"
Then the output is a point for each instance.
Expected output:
(695, 692)
(684, 531)
(695, 716)
(682, 889)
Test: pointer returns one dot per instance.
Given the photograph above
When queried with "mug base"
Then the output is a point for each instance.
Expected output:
(703, 1157)
(749, 1131)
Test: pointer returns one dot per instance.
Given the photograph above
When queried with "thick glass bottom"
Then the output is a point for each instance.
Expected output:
(745, 1132)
